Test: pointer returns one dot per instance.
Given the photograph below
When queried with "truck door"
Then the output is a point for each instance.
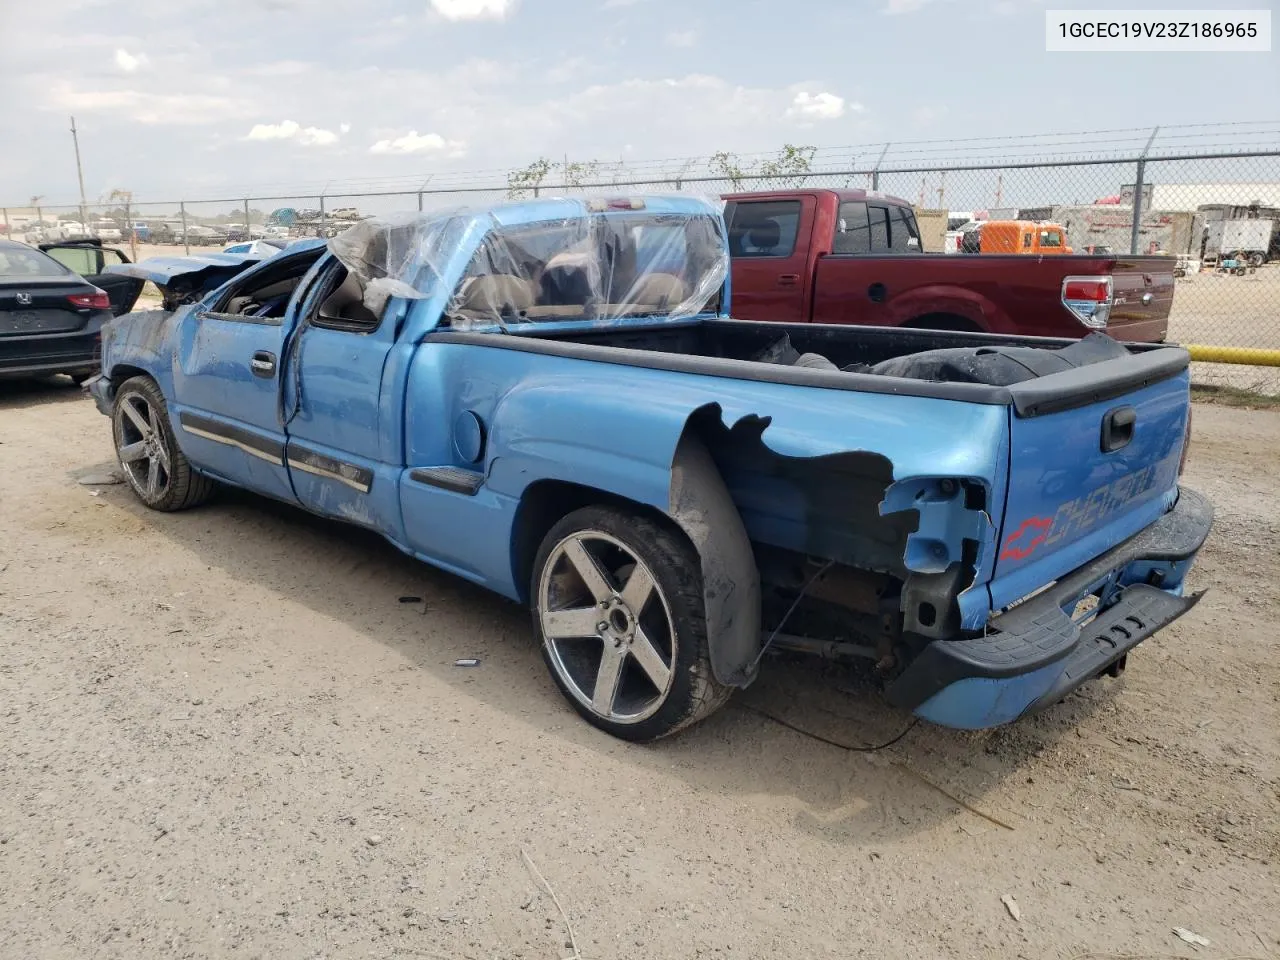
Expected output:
(340, 451)
(770, 242)
(227, 378)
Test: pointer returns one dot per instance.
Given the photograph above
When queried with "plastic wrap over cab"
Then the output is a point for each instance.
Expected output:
(548, 261)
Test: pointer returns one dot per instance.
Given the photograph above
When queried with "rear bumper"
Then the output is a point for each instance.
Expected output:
(73, 365)
(103, 392)
(1035, 654)
(78, 351)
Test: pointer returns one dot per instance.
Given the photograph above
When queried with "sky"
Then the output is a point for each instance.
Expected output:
(204, 98)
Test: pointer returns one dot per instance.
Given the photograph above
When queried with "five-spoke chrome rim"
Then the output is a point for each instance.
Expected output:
(141, 446)
(607, 627)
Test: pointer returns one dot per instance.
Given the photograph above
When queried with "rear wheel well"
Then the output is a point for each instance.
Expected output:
(943, 321)
(544, 504)
(122, 372)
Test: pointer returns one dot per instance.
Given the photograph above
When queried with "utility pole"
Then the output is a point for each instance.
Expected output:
(1138, 182)
(999, 188)
(875, 171)
(127, 196)
(942, 189)
(75, 139)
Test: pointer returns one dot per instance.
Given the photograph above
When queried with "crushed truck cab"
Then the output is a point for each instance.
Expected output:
(551, 399)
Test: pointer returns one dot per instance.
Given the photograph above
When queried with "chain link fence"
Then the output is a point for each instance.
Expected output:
(1217, 213)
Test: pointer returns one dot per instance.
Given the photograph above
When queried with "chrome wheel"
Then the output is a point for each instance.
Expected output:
(607, 627)
(141, 446)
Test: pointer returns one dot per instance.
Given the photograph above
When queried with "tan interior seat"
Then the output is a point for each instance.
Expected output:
(347, 303)
(661, 290)
(493, 296)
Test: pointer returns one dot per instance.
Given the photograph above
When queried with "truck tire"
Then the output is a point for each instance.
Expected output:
(153, 465)
(618, 611)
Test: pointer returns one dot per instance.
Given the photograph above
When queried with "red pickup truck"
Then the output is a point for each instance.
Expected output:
(855, 256)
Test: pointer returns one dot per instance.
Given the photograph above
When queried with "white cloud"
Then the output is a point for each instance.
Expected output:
(926, 115)
(614, 4)
(344, 128)
(275, 131)
(567, 69)
(903, 6)
(474, 9)
(414, 142)
(278, 68)
(129, 62)
(292, 130)
(150, 108)
(682, 38)
(819, 106)
(317, 137)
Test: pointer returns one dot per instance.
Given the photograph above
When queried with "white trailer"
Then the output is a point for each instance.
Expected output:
(1249, 238)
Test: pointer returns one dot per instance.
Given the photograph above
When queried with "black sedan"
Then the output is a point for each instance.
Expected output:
(50, 317)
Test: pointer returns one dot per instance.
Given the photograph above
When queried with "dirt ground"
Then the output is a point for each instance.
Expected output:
(224, 735)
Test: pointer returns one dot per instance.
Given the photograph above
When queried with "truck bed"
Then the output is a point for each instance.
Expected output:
(852, 354)
(1009, 293)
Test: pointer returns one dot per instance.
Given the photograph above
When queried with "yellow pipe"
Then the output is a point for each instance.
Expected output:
(1253, 356)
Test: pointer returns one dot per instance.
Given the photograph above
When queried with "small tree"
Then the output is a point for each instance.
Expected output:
(577, 173)
(525, 182)
(728, 166)
(790, 165)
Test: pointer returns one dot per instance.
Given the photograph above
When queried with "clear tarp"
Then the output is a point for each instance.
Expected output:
(606, 261)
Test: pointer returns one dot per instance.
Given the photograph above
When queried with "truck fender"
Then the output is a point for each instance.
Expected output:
(957, 301)
(140, 342)
(666, 466)
(701, 506)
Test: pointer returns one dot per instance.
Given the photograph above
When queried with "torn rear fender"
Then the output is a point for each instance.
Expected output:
(845, 476)
(704, 509)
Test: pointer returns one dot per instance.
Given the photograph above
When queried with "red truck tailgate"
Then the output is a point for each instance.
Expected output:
(1142, 291)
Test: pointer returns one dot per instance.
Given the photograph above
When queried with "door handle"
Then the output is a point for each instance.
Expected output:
(876, 293)
(788, 279)
(1117, 428)
(263, 364)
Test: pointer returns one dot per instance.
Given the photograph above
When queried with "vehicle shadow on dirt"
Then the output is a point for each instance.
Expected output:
(18, 394)
(933, 779)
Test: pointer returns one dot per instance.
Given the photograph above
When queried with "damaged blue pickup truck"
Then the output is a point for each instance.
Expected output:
(549, 398)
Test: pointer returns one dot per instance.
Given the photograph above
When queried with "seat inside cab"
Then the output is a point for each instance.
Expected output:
(345, 306)
(570, 284)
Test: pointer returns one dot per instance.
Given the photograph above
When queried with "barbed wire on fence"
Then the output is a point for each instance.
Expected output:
(1086, 146)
